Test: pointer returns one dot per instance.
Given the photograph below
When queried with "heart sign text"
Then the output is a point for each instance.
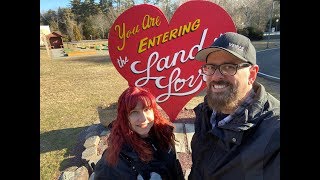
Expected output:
(150, 52)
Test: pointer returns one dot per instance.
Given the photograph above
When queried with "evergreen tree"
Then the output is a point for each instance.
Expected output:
(76, 32)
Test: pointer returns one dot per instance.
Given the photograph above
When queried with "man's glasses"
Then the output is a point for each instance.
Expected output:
(225, 69)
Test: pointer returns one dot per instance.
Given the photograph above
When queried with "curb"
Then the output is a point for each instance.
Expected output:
(272, 78)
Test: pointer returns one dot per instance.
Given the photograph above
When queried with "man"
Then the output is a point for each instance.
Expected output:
(237, 127)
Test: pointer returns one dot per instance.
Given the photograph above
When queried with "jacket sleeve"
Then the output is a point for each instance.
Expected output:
(272, 158)
(175, 166)
(172, 166)
(103, 171)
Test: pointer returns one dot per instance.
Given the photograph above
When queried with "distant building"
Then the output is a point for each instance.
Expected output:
(55, 40)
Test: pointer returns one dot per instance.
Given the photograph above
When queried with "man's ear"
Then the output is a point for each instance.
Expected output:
(253, 74)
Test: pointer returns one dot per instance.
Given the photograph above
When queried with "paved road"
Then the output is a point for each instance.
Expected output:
(269, 63)
(57, 53)
(183, 133)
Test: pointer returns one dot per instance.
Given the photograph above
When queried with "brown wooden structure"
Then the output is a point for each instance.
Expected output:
(55, 40)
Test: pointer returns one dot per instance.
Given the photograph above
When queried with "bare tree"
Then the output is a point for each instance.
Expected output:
(168, 7)
(100, 23)
(50, 18)
(246, 13)
(112, 16)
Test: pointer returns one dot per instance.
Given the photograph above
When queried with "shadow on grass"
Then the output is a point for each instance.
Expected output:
(71, 139)
(103, 59)
(73, 157)
(58, 139)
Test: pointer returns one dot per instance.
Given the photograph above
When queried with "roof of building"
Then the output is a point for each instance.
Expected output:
(54, 34)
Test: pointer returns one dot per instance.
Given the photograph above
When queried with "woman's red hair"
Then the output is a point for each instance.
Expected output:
(121, 133)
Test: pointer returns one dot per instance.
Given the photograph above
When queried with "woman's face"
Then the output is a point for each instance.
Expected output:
(141, 119)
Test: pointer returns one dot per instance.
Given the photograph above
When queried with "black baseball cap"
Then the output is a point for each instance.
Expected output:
(234, 43)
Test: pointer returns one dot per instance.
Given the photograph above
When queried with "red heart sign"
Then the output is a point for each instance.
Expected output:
(149, 52)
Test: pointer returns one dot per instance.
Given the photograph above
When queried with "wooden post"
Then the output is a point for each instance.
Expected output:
(44, 39)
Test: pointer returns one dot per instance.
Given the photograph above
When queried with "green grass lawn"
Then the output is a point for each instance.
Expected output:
(71, 90)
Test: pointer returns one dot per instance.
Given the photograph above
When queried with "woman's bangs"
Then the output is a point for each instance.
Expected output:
(139, 97)
(145, 101)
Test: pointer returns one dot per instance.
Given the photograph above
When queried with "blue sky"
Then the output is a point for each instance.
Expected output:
(45, 5)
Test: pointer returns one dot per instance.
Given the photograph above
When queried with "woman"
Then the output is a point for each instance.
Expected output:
(141, 143)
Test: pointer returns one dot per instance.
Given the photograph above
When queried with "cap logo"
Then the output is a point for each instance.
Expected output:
(236, 46)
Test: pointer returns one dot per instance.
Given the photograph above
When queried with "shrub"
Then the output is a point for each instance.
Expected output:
(65, 39)
(244, 32)
(252, 33)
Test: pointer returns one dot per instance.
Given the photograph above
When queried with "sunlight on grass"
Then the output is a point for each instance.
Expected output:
(50, 163)
(70, 92)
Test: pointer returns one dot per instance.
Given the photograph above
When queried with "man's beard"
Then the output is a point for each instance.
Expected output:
(220, 101)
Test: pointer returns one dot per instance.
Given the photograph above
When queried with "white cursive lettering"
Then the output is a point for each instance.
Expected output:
(174, 84)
